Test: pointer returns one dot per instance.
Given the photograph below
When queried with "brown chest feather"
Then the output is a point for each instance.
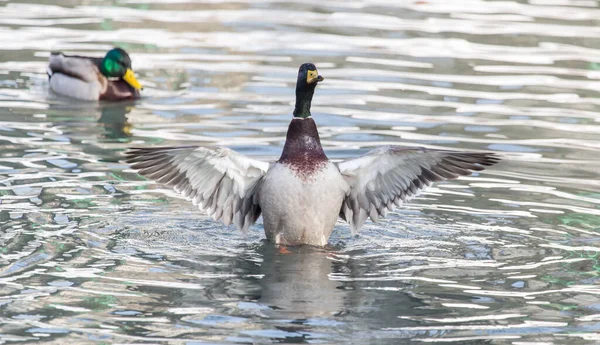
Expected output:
(306, 165)
(115, 90)
(303, 152)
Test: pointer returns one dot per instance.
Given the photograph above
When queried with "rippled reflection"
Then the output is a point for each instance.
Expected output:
(91, 253)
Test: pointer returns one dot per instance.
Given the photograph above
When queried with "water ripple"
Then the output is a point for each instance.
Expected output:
(90, 252)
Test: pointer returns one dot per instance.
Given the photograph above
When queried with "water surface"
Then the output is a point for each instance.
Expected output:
(92, 253)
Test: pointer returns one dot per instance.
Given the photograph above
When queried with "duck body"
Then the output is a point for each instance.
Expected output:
(88, 78)
(302, 194)
(298, 191)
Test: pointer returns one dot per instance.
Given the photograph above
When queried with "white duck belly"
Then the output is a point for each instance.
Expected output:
(75, 88)
(301, 208)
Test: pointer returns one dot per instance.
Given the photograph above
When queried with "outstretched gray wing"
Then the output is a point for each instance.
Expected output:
(220, 181)
(390, 175)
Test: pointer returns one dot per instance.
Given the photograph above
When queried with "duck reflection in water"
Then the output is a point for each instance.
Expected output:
(93, 121)
(297, 283)
(310, 289)
(115, 122)
(296, 297)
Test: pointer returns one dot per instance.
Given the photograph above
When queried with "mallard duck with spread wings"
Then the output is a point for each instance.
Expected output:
(88, 78)
(302, 194)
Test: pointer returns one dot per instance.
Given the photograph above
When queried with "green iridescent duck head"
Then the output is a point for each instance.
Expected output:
(117, 64)
(308, 78)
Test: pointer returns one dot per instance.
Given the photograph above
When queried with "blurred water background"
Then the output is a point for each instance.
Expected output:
(91, 253)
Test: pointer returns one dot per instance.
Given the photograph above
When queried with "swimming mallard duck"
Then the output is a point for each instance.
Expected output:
(302, 194)
(110, 78)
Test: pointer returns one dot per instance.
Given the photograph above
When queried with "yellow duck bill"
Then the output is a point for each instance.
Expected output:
(129, 77)
(313, 76)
